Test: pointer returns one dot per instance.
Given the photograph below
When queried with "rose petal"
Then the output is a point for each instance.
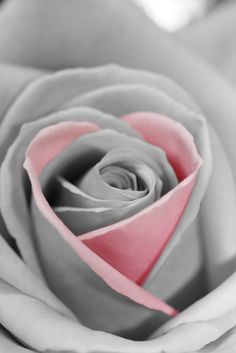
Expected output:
(226, 343)
(9, 345)
(14, 271)
(216, 304)
(12, 81)
(181, 278)
(70, 195)
(217, 217)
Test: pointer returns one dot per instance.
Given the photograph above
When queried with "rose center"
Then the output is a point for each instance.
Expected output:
(122, 178)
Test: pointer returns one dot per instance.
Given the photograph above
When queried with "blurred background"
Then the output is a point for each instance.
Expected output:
(206, 27)
(173, 15)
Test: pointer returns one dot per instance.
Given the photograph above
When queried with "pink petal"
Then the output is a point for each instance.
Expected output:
(172, 137)
(123, 253)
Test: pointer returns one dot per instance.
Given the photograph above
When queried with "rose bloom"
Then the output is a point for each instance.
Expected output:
(117, 185)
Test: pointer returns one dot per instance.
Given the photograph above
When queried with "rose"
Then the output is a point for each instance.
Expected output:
(176, 335)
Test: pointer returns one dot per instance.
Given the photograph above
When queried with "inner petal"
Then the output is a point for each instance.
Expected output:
(119, 177)
(97, 217)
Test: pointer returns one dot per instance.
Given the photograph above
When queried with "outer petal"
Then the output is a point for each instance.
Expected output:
(9, 345)
(12, 81)
(225, 343)
(217, 218)
(44, 329)
(218, 307)
(14, 271)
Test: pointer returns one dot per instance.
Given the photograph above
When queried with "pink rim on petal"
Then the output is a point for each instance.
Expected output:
(123, 253)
